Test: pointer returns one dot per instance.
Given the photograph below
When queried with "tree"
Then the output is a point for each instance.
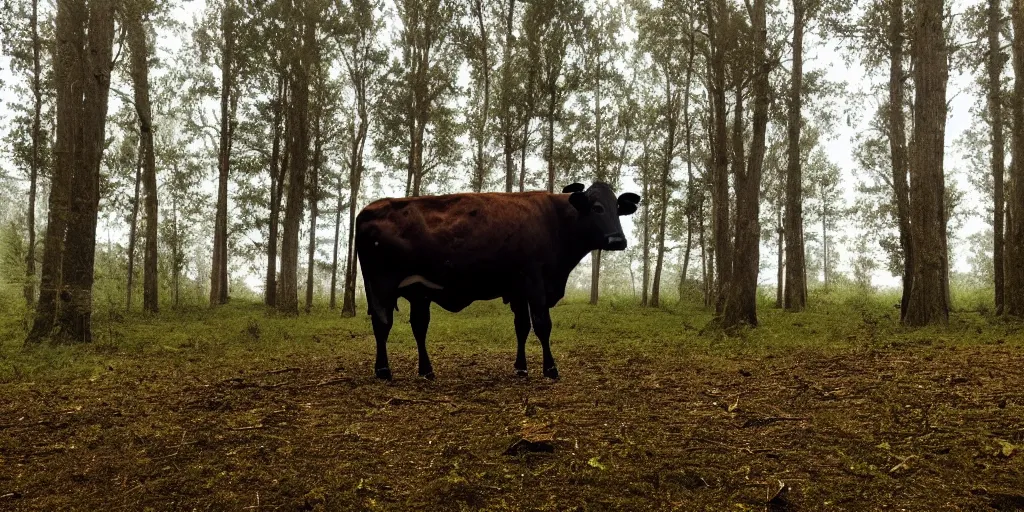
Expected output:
(995, 113)
(796, 283)
(364, 61)
(716, 13)
(302, 56)
(929, 296)
(741, 307)
(219, 273)
(478, 51)
(68, 69)
(1014, 265)
(139, 48)
(77, 269)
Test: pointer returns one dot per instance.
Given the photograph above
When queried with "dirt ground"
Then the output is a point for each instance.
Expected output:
(927, 428)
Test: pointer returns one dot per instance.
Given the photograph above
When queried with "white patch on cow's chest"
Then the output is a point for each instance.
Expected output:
(411, 280)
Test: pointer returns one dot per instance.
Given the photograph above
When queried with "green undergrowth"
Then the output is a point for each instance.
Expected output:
(221, 341)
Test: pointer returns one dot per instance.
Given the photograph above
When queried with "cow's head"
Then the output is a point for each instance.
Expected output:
(599, 213)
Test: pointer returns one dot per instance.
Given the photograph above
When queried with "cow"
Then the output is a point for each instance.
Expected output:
(456, 249)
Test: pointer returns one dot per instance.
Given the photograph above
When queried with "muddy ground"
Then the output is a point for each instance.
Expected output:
(923, 428)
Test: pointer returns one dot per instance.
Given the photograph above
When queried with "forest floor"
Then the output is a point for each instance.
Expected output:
(233, 409)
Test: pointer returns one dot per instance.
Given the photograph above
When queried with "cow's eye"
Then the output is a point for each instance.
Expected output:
(597, 208)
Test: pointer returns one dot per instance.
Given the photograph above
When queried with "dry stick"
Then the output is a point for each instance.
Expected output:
(282, 370)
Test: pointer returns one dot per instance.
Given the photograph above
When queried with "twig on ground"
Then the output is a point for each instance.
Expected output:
(282, 370)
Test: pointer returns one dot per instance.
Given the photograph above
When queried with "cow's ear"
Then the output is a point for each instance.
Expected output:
(575, 187)
(580, 201)
(627, 203)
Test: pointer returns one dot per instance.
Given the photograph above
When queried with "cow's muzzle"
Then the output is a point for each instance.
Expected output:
(615, 243)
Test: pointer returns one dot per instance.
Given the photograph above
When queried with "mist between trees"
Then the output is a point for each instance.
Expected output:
(221, 151)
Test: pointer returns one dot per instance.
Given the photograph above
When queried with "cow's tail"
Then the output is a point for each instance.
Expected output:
(379, 293)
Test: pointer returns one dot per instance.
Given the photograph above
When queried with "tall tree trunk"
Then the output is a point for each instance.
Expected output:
(995, 112)
(600, 175)
(522, 154)
(349, 305)
(278, 169)
(671, 119)
(507, 125)
(337, 236)
(551, 139)
(288, 300)
(136, 35)
(481, 164)
(719, 150)
(133, 231)
(704, 268)
(80, 246)
(929, 296)
(1014, 267)
(68, 70)
(796, 280)
(314, 199)
(219, 271)
(898, 146)
(824, 240)
(29, 289)
(689, 164)
(645, 177)
(175, 252)
(780, 232)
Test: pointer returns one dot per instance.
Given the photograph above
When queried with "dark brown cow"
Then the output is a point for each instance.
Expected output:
(460, 248)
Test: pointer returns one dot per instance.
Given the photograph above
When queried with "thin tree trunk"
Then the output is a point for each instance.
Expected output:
(175, 252)
(551, 140)
(314, 199)
(689, 165)
(995, 109)
(68, 70)
(671, 119)
(780, 279)
(645, 177)
(480, 174)
(219, 271)
(1014, 254)
(507, 125)
(898, 147)
(704, 281)
(277, 179)
(796, 280)
(522, 154)
(337, 236)
(77, 269)
(929, 302)
(37, 114)
(824, 241)
(139, 46)
(133, 231)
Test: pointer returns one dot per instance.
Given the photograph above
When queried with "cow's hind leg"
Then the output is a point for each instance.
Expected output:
(542, 328)
(521, 310)
(419, 319)
(381, 330)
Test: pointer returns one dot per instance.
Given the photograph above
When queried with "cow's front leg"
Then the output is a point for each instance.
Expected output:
(542, 327)
(521, 310)
(419, 318)
(381, 330)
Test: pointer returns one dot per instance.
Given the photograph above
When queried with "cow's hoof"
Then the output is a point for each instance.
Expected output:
(427, 375)
(522, 373)
(383, 373)
(551, 373)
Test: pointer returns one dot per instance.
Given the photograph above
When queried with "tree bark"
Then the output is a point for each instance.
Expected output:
(139, 47)
(719, 150)
(995, 111)
(314, 199)
(898, 147)
(337, 237)
(481, 167)
(1014, 254)
(75, 322)
(645, 177)
(359, 81)
(796, 281)
(29, 289)
(928, 302)
(68, 71)
(288, 301)
(277, 178)
(219, 270)
(671, 120)
(133, 231)
(690, 193)
(781, 264)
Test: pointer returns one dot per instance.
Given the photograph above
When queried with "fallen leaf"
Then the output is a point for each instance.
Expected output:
(593, 462)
